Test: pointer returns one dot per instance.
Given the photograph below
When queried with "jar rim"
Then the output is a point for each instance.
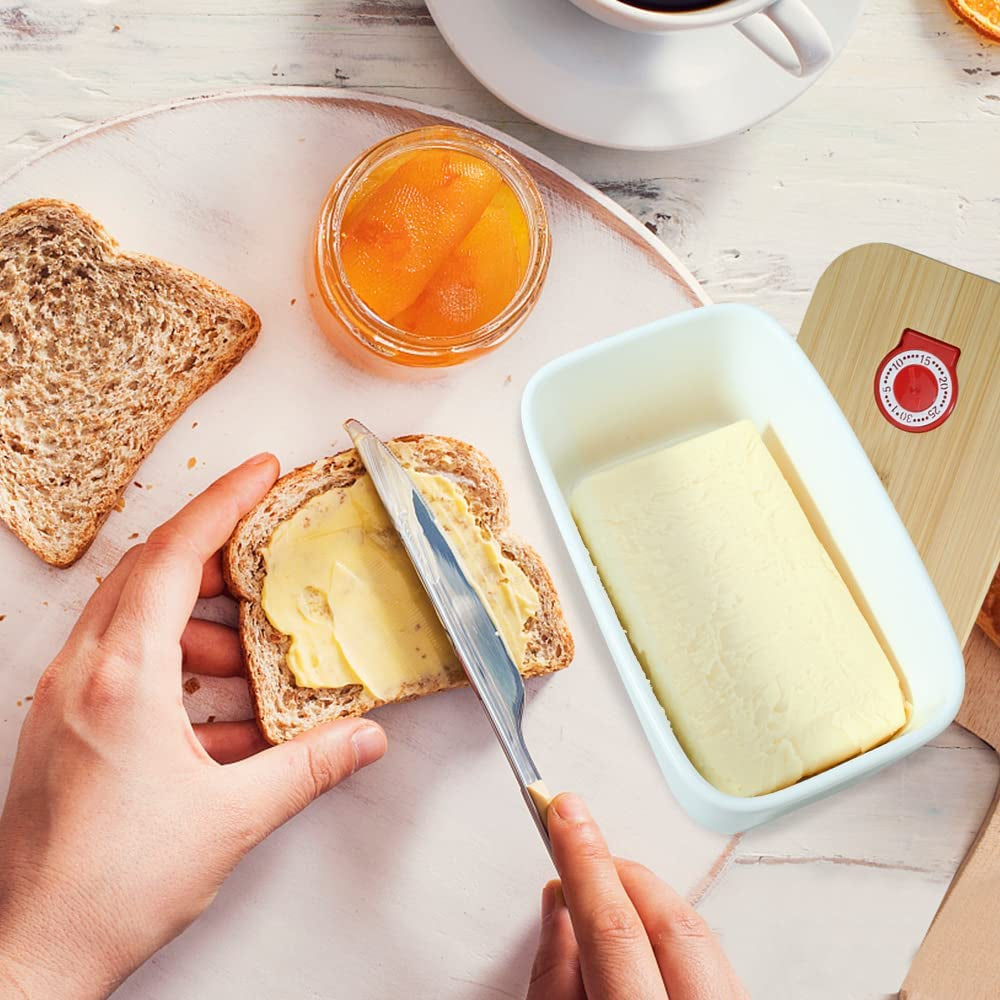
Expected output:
(381, 335)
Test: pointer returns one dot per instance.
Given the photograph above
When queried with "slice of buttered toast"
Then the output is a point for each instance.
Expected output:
(284, 709)
(100, 352)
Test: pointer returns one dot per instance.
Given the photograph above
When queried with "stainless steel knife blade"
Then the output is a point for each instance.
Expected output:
(466, 619)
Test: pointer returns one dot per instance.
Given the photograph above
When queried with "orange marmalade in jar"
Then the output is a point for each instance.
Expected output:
(430, 249)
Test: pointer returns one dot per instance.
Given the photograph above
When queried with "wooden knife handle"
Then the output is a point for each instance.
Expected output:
(960, 957)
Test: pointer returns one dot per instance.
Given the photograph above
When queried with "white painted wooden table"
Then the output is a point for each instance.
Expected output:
(900, 141)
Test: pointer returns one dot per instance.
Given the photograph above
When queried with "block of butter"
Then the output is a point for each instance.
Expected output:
(756, 649)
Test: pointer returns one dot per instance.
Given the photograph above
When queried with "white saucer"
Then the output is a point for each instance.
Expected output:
(573, 74)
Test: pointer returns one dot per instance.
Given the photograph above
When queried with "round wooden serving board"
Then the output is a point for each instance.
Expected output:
(421, 877)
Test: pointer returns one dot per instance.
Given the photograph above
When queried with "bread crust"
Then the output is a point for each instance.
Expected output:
(283, 709)
(67, 292)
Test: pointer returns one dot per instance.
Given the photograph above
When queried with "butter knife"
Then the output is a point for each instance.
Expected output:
(478, 644)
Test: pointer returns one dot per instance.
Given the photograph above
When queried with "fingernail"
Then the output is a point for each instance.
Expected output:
(262, 459)
(551, 898)
(570, 807)
(369, 744)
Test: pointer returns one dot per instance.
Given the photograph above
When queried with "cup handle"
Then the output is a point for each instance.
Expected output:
(800, 45)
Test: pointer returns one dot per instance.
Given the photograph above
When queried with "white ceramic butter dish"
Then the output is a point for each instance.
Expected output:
(689, 374)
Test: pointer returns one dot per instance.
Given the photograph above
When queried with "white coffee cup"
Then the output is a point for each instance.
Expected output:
(786, 30)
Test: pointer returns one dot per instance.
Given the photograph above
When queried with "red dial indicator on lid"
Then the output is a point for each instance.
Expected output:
(916, 384)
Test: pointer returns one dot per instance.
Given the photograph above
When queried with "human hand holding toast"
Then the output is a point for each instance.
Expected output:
(123, 819)
(121, 822)
(611, 930)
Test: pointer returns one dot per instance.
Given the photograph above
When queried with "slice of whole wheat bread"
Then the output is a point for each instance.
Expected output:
(284, 709)
(100, 352)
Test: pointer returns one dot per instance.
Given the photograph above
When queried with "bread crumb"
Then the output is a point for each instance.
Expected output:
(508, 380)
(45, 604)
(292, 303)
(211, 718)
(99, 579)
(137, 485)
(192, 685)
(19, 703)
(120, 504)
(194, 425)
(2, 617)
(117, 27)
(135, 534)
(29, 697)
(148, 486)
(192, 462)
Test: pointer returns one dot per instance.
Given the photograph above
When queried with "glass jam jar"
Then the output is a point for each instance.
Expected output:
(430, 249)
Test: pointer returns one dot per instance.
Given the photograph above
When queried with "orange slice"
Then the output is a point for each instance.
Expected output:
(372, 181)
(403, 231)
(479, 278)
(983, 15)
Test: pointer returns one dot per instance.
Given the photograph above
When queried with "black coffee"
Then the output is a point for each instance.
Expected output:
(665, 6)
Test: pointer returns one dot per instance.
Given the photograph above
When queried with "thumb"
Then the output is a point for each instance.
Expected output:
(556, 972)
(281, 781)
